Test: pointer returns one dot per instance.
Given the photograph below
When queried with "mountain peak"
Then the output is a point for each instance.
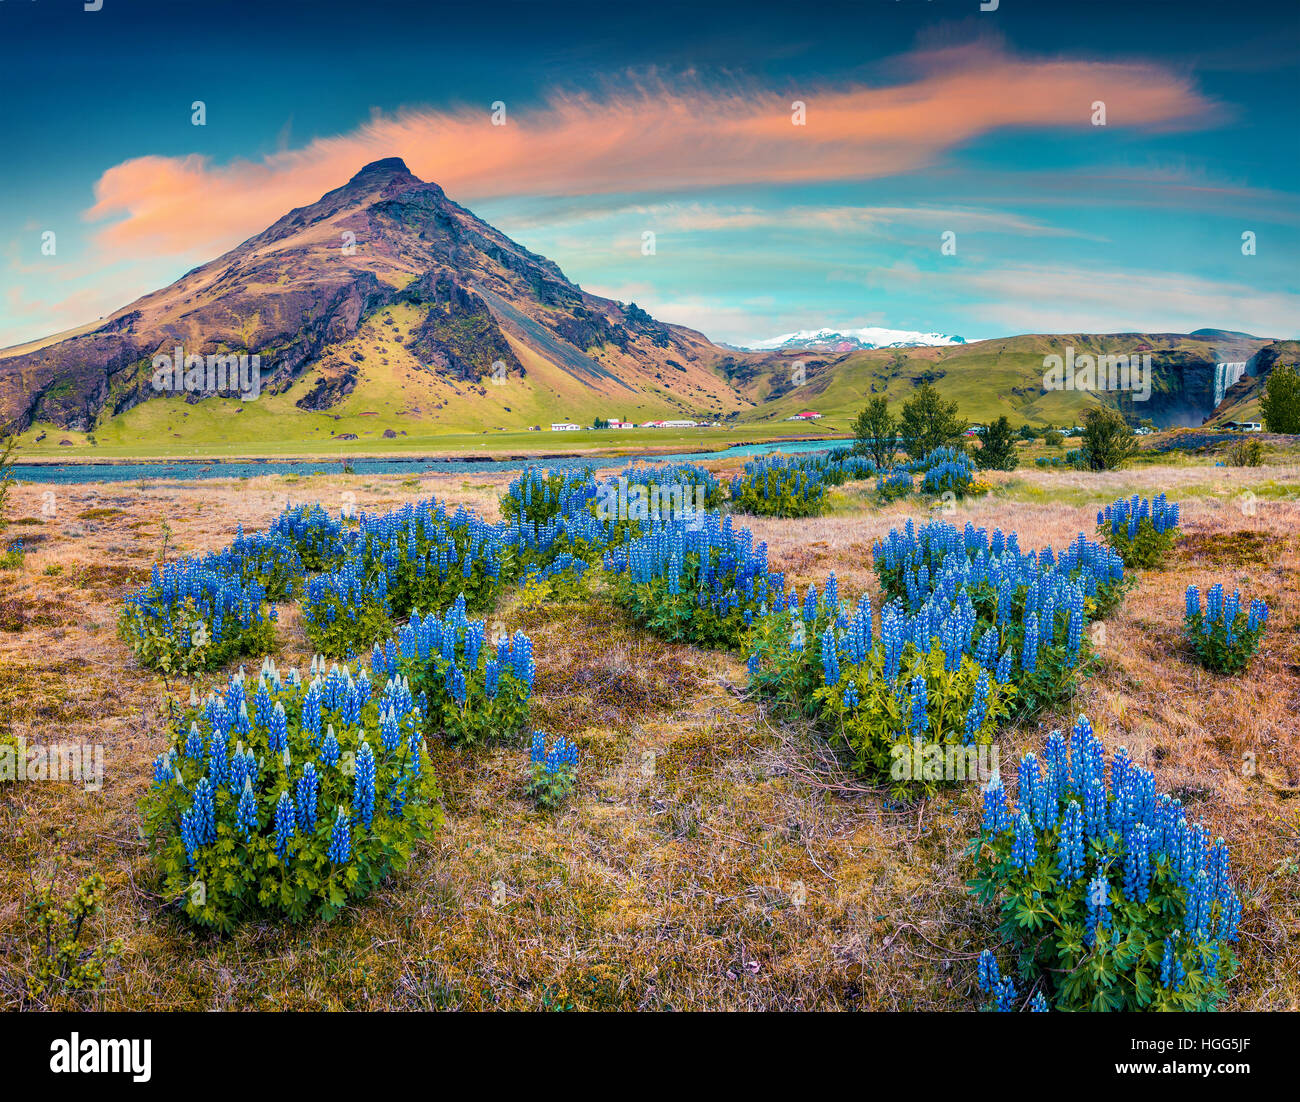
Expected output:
(851, 340)
(385, 166)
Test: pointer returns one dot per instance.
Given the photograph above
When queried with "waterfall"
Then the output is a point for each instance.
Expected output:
(1225, 375)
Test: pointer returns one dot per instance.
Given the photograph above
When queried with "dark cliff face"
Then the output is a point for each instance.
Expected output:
(1182, 392)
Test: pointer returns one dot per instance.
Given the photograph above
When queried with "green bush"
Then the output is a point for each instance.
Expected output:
(64, 960)
(552, 771)
(901, 728)
(1246, 453)
(470, 691)
(1108, 898)
(1225, 636)
(1142, 532)
(294, 805)
(344, 612)
(997, 450)
(1108, 440)
(188, 619)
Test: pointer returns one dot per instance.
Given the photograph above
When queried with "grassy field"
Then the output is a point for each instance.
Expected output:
(670, 887)
(496, 445)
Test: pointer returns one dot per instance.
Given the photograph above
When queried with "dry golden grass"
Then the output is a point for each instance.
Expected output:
(710, 859)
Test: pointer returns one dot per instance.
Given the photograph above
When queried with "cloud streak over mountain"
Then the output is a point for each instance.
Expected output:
(668, 135)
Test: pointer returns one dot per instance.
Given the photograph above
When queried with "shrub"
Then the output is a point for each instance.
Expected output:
(902, 710)
(696, 481)
(428, 559)
(469, 690)
(1108, 440)
(64, 959)
(1030, 609)
(295, 809)
(565, 578)
(1107, 897)
(539, 494)
(784, 656)
(189, 617)
(776, 486)
(701, 583)
(344, 611)
(1053, 439)
(552, 771)
(1142, 531)
(902, 705)
(997, 451)
(1225, 636)
(320, 541)
(894, 485)
(273, 562)
(948, 471)
(1246, 453)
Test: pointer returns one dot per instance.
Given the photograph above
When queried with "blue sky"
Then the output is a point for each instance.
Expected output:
(922, 117)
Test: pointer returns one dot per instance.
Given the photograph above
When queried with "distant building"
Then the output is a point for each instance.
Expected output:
(675, 424)
(1243, 426)
(618, 423)
(565, 426)
(653, 424)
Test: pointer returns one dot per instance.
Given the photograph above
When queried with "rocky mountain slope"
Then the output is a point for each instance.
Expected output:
(383, 286)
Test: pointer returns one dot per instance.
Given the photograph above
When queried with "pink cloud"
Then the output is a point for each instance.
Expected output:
(650, 136)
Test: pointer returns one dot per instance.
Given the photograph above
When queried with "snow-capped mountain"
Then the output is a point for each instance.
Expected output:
(850, 340)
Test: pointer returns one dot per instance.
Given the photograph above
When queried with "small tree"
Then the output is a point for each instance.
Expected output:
(1107, 439)
(1280, 403)
(928, 422)
(7, 446)
(1053, 439)
(875, 430)
(998, 450)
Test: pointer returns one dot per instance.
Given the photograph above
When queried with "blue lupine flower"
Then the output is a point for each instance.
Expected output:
(1098, 900)
(363, 784)
(329, 750)
(850, 697)
(1137, 863)
(190, 836)
(1005, 996)
(340, 848)
(1038, 1004)
(1069, 856)
(205, 813)
(920, 718)
(1024, 850)
(996, 818)
(308, 792)
(285, 823)
(246, 812)
(989, 977)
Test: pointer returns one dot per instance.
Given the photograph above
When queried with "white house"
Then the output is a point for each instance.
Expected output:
(565, 426)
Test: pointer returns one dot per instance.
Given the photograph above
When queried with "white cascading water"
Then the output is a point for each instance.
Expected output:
(1225, 375)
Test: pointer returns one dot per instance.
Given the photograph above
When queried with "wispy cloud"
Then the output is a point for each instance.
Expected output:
(662, 135)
